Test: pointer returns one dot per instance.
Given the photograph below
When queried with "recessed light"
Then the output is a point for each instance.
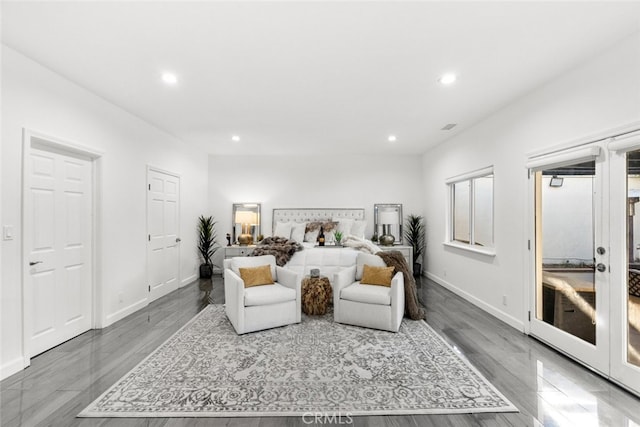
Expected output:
(447, 79)
(235, 138)
(169, 78)
(392, 138)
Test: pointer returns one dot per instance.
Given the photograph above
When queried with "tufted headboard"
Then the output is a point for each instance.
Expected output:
(314, 214)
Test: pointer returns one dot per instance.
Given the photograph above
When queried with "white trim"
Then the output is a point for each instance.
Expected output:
(12, 367)
(469, 175)
(188, 280)
(563, 159)
(624, 143)
(471, 248)
(586, 140)
(501, 315)
(164, 171)
(122, 313)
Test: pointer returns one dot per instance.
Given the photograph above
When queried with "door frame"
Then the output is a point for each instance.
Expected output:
(32, 139)
(148, 268)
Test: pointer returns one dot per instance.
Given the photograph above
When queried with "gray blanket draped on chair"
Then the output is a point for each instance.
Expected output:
(412, 307)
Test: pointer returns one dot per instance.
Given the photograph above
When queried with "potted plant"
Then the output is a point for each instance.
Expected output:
(338, 236)
(414, 233)
(206, 245)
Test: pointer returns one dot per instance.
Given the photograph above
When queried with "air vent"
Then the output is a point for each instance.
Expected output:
(449, 126)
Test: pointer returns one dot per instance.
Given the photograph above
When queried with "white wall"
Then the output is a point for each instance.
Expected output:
(40, 100)
(600, 94)
(320, 181)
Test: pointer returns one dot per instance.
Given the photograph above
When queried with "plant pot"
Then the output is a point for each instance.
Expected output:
(417, 269)
(206, 271)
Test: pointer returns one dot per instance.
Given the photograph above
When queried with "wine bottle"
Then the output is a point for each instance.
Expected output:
(321, 237)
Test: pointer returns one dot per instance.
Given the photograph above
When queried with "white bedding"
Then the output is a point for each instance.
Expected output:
(329, 260)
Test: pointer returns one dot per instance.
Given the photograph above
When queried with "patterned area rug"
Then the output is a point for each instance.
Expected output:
(317, 366)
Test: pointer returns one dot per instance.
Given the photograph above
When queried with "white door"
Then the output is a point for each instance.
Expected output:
(570, 299)
(625, 254)
(163, 255)
(58, 248)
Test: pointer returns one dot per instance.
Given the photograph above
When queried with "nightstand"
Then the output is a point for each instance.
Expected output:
(405, 250)
(235, 250)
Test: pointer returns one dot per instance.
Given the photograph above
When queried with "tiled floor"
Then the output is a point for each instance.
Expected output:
(548, 388)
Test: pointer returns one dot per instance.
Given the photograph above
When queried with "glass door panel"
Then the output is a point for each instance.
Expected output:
(632, 294)
(565, 248)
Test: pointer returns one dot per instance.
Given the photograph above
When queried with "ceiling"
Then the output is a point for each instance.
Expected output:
(313, 77)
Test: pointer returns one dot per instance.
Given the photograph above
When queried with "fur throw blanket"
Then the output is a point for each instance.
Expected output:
(362, 245)
(283, 249)
(412, 307)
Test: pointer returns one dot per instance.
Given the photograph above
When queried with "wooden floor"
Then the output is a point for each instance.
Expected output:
(548, 388)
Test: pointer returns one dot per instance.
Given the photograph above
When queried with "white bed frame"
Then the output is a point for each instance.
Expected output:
(314, 214)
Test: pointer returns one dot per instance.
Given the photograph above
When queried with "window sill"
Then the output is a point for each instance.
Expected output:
(475, 249)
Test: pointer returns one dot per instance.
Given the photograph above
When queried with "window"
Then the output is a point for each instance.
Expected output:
(470, 221)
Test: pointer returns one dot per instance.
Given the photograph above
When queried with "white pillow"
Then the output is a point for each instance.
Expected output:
(369, 259)
(358, 229)
(297, 231)
(283, 229)
(344, 225)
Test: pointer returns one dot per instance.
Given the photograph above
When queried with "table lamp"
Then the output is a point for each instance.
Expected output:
(387, 219)
(246, 219)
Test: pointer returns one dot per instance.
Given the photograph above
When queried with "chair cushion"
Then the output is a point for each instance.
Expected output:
(364, 258)
(368, 294)
(253, 261)
(268, 294)
(380, 276)
(256, 276)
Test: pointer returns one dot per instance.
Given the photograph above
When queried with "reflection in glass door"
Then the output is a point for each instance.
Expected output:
(633, 256)
(565, 248)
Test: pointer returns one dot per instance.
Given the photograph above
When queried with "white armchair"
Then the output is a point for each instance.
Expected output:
(371, 306)
(261, 307)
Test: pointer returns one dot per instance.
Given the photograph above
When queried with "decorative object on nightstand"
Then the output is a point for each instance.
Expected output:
(316, 295)
(387, 219)
(228, 239)
(206, 244)
(247, 219)
(414, 234)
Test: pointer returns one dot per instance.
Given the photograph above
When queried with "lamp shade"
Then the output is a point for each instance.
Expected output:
(246, 217)
(388, 217)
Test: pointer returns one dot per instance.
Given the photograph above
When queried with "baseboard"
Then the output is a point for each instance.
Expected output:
(501, 315)
(188, 280)
(121, 314)
(13, 367)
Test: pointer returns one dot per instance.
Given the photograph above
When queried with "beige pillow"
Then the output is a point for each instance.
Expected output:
(380, 276)
(256, 276)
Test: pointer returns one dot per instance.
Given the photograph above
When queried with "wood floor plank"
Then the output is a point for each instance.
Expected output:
(547, 387)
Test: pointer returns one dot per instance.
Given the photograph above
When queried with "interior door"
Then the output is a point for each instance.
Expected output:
(163, 254)
(570, 301)
(58, 248)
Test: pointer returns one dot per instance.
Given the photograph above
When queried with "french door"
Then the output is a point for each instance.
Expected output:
(586, 249)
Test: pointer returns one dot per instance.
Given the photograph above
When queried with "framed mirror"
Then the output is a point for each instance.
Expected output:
(387, 218)
(245, 219)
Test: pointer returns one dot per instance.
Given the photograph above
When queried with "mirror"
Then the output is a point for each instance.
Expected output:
(388, 223)
(245, 220)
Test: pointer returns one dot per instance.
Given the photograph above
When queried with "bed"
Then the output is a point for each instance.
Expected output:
(330, 258)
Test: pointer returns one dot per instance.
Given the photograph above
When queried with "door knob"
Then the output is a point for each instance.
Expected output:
(601, 267)
(178, 240)
(32, 263)
(601, 250)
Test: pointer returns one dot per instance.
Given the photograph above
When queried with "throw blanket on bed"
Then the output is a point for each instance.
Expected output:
(362, 245)
(412, 308)
(283, 249)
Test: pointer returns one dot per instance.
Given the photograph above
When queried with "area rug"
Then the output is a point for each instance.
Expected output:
(316, 366)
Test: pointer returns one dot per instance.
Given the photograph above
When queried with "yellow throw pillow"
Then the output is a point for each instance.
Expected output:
(256, 276)
(380, 276)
